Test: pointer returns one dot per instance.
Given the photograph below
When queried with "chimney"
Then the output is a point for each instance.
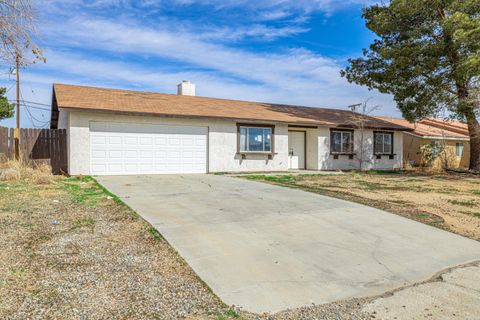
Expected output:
(186, 88)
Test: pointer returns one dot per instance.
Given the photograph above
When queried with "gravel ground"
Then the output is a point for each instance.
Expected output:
(85, 257)
(68, 250)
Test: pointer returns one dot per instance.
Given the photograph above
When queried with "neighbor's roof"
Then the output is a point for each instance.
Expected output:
(433, 127)
(158, 104)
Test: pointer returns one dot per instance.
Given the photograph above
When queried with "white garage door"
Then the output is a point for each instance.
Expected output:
(128, 148)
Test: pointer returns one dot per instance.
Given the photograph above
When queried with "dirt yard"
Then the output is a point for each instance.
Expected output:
(71, 250)
(450, 202)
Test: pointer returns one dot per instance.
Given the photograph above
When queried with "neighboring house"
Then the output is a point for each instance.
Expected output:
(115, 132)
(436, 143)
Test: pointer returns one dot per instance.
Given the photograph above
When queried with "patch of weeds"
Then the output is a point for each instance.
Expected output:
(281, 179)
(384, 172)
(417, 188)
(469, 213)
(84, 222)
(430, 219)
(155, 234)
(130, 212)
(87, 190)
(88, 194)
(18, 272)
(464, 203)
(371, 186)
(476, 192)
(399, 201)
(448, 191)
(229, 314)
(410, 180)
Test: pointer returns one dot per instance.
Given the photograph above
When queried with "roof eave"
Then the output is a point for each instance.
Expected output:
(252, 120)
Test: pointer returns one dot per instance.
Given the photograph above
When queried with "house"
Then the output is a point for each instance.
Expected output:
(435, 143)
(116, 132)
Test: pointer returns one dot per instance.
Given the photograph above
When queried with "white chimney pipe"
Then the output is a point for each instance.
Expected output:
(186, 88)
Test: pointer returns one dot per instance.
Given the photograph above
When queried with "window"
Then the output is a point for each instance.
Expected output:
(383, 143)
(255, 139)
(459, 149)
(341, 141)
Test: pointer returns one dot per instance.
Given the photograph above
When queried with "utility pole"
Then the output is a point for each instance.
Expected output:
(353, 107)
(17, 130)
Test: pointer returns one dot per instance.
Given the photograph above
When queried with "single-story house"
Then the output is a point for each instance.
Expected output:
(119, 132)
(435, 143)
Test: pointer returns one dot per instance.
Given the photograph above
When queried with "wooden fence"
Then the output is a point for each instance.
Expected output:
(37, 144)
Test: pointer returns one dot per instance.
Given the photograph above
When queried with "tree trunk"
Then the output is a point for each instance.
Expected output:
(474, 132)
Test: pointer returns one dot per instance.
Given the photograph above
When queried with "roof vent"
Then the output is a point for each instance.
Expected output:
(186, 88)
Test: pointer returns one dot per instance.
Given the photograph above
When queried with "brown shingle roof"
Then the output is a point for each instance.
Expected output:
(433, 127)
(168, 105)
(449, 125)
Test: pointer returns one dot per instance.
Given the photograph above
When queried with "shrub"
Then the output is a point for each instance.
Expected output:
(39, 173)
(10, 174)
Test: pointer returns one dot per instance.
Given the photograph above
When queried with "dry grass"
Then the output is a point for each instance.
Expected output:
(15, 170)
(447, 201)
(69, 250)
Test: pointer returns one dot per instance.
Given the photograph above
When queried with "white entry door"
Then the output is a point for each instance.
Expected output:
(131, 148)
(296, 148)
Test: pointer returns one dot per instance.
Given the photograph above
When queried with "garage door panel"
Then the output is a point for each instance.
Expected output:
(115, 140)
(99, 140)
(123, 148)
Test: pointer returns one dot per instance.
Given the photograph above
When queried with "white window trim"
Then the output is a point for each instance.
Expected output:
(246, 142)
(391, 134)
(342, 151)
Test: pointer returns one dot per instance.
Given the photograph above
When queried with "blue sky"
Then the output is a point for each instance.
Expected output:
(283, 51)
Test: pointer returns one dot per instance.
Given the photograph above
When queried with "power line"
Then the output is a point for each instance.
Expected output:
(28, 110)
(40, 104)
(35, 107)
(42, 124)
(29, 103)
(36, 122)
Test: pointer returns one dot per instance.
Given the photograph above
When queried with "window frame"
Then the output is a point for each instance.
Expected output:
(457, 145)
(352, 132)
(257, 126)
(375, 143)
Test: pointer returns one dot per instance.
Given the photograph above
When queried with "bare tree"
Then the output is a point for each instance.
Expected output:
(361, 116)
(17, 27)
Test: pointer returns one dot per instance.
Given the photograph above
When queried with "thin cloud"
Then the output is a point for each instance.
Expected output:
(284, 68)
(154, 55)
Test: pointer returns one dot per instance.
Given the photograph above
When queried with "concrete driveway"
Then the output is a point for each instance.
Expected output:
(267, 248)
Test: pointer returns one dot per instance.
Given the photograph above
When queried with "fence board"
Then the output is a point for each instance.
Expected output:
(11, 144)
(3, 143)
(35, 144)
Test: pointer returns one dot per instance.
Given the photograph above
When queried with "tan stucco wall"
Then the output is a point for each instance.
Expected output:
(412, 146)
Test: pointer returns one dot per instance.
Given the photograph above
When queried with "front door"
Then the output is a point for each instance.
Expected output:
(296, 149)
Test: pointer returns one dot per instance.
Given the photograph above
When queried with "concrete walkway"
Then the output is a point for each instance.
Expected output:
(455, 296)
(267, 248)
